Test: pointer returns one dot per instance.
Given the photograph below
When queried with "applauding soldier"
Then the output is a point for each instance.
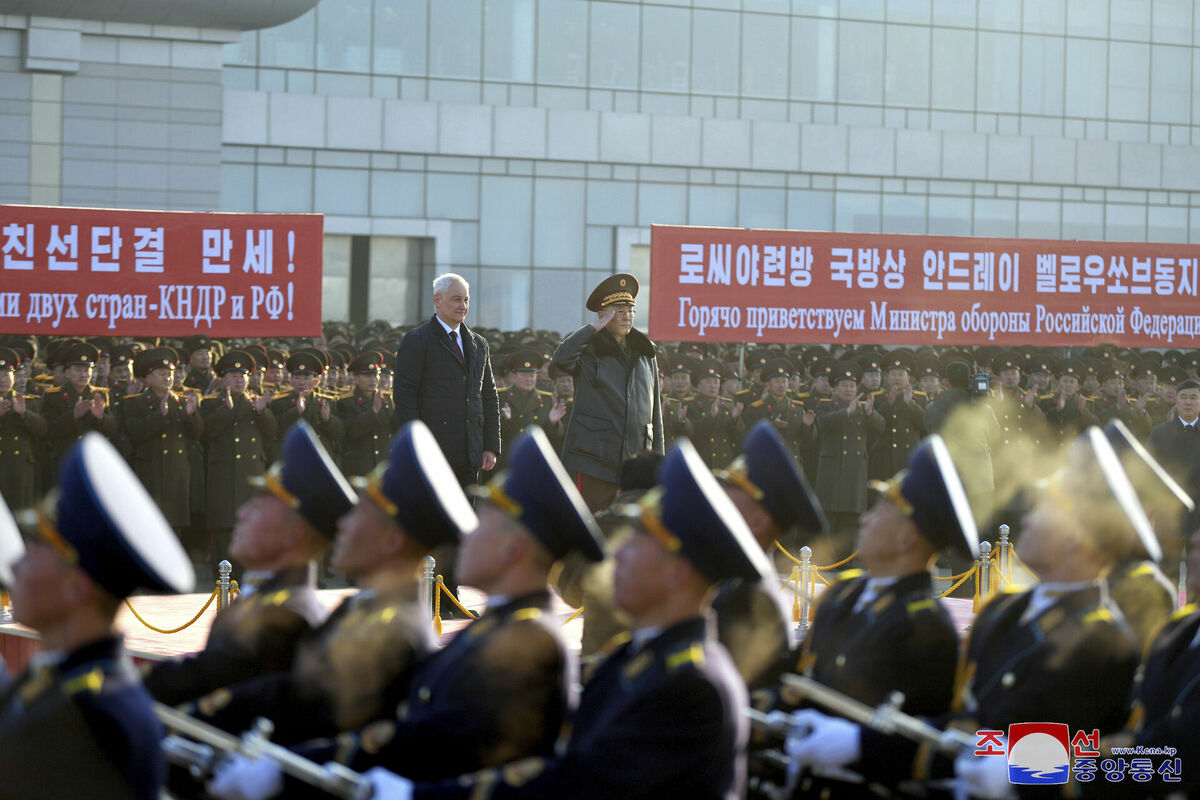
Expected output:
(75, 407)
(368, 417)
(717, 422)
(21, 430)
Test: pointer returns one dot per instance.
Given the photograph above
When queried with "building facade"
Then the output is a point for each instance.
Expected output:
(530, 144)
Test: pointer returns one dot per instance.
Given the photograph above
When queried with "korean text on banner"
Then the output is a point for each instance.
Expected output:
(760, 286)
(106, 272)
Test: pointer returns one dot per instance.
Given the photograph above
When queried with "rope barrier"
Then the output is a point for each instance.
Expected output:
(795, 578)
(975, 599)
(578, 611)
(841, 563)
(214, 596)
(783, 550)
(437, 605)
(953, 578)
(962, 579)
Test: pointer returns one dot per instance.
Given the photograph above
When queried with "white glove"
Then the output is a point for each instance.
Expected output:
(241, 778)
(389, 785)
(983, 776)
(834, 742)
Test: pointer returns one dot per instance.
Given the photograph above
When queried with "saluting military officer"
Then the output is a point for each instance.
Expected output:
(21, 430)
(522, 404)
(159, 425)
(368, 416)
(78, 723)
(360, 663)
(75, 407)
(237, 427)
(717, 423)
(769, 489)
(663, 715)
(882, 630)
(279, 533)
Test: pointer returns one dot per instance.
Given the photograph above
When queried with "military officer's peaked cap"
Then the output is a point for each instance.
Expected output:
(1173, 375)
(1110, 370)
(196, 342)
(690, 514)
(683, 364)
(524, 361)
(417, 487)
(1156, 489)
(306, 478)
(367, 362)
(259, 351)
(103, 345)
(621, 288)
(1070, 366)
(709, 368)
(899, 359)
(12, 547)
(768, 472)
(122, 353)
(9, 359)
(537, 492)
(826, 366)
(1007, 360)
(156, 358)
(869, 362)
(104, 521)
(845, 371)
(305, 362)
(930, 491)
(235, 361)
(80, 353)
(929, 366)
(271, 358)
(775, 368)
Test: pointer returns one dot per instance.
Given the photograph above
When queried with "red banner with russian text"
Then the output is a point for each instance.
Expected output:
(108, 272)
(760, 286)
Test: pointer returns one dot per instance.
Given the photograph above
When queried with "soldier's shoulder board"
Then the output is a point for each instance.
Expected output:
(1186, 611)
(758, 403)
(689, 656)
(919, 393)
(922, 606)
(545, 394)
(849, 574)
(52, 390)
(100, 389)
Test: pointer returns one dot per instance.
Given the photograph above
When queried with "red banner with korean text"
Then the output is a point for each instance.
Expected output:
(759, 286)
(107, 272)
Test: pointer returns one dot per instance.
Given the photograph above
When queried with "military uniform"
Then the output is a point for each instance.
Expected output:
(80, 727)
(20, 437)
(1144, 595)
(786, 414)
(526, 408)
(353, 669)
(1106, 408)
(903, 427)
(64, 428)
(237, 439)
(368, 433)
(158, 444)
(716, 432)
(257, 635)
(842, 468)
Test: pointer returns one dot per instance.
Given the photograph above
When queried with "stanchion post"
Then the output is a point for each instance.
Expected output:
(5, 607)
(224, 570)
(805, 590)
(1004, 560)
(428, 584)
(985, 569)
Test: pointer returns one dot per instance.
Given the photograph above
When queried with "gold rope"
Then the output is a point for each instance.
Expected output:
(215, 594)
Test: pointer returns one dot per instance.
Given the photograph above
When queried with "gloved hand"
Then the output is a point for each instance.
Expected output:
(833, 742)
(983, 776)
(242, 778)
(389, 785)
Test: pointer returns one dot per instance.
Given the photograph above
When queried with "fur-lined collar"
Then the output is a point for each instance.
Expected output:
(605, 345)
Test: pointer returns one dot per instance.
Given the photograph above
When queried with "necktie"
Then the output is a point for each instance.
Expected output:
(457, 345)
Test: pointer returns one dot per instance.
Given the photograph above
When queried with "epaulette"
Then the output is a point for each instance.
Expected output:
(687, 399)
(1049, 396)
(31, 397)
(917, 606)
(849, 574)
(825, 400)
(692, 654)
(879, 393)
(1186, 611)
(131, 396)
(803, 395)
(919, 393)
(797, 403)
(502, 389)
(91, 681)
(726, 399)
(211, 396)
(1099, 615)
(283, 392)
(52, 390)
(101, 389)
(757, 403)
(545, 394)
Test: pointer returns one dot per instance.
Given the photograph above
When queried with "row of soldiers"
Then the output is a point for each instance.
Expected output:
(663, 708)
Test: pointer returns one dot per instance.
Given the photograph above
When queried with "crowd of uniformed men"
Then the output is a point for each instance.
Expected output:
(663, 710)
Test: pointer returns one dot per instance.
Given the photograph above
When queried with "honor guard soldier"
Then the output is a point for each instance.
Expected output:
(75, 407)
(22, 429)
(238, 426)
(1068, 412)
(1136, 584)
(663, 715)
(358, 666)
(278, 535)
(717, 423)
(846, 426)
(1113, 402)
(522, 404)
(159, 425)
(305, 401)
(769, 489)
(787, 415)
(78, 723)
(500, 690)
(903, 410)
(368, 417)
(1060, 651)
(676, 422)
(199, 375)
